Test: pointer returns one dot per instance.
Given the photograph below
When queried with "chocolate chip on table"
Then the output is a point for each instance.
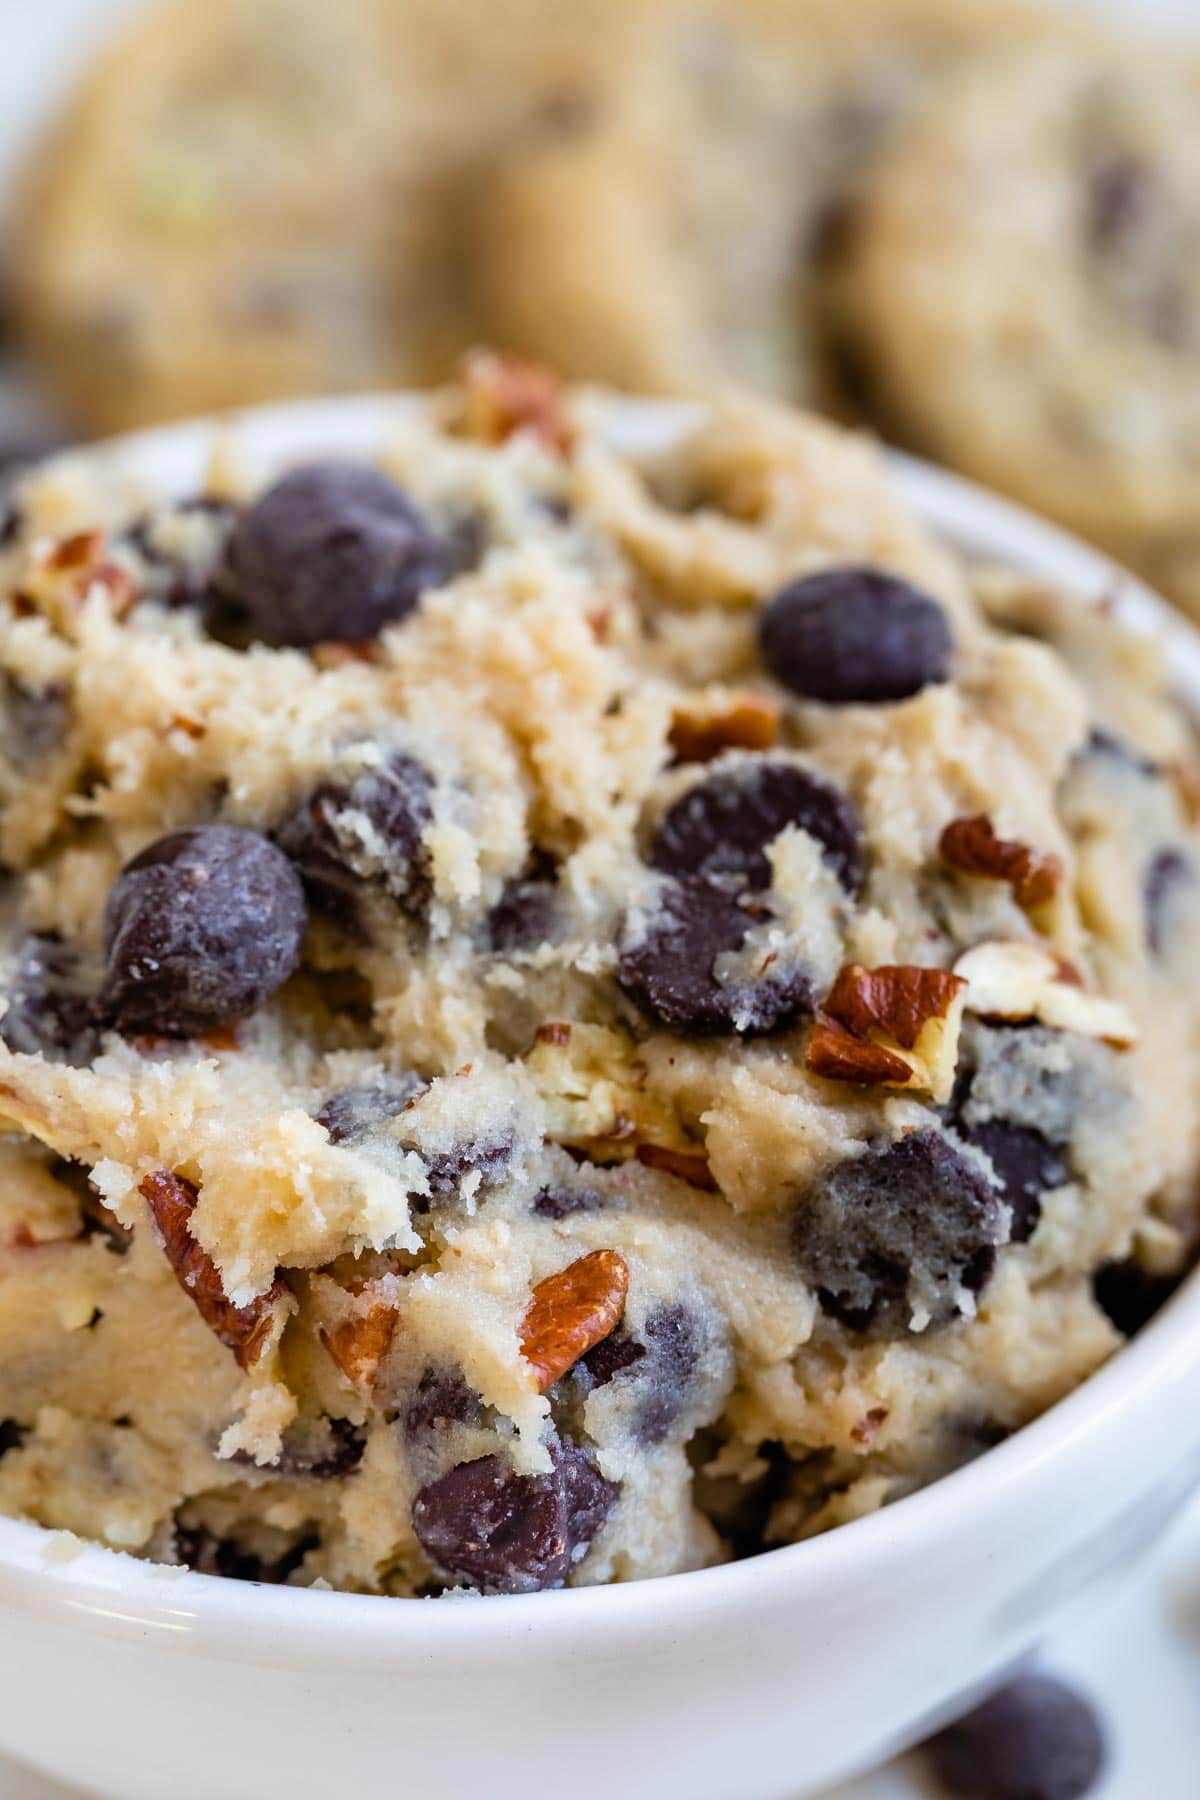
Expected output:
(332, 553)
(1027, 1165)
(854, 634)
(1035, 1740)
(915, 1214)
(49, 1012)
(1129, 1295)
(484, 1526)
(200, 930)
(364, 835)
(1170, 874)
(528, 911)
(670, 971)
(442, 1398)
(724, 824)
(352, 1113)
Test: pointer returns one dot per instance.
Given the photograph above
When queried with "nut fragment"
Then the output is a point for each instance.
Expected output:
(595, 1092)
(690, 1168)
(1019, 981)
(361, 1341)
(971, 846)
(504, 395)
(703, 725)
(571, 1312)
(896, 1026)
(246, 1330)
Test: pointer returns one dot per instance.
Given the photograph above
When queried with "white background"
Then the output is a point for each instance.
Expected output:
(1137, 1649)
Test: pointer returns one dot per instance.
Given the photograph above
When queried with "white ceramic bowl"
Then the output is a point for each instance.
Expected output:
(763, 1680)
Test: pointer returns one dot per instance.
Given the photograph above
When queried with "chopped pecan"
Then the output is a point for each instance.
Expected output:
(896, 1026)
(504, 395)
(78, 551)
(692, 1169)
(971, 846)
(571, 1312)
(864, 1431)
(1019, 981)
(837, 1055)
(702, 727)
(360, 1342)
(244, 1329)
(554, 1031)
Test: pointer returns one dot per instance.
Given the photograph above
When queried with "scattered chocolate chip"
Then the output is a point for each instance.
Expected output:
(351, 1114)
(33, 720)
(333, 553)
(855, 634)
(725, 824)
(12, 1435)
(528, 911)
(1170, 874)
(203, 1551)
(670, 972)
(1035, 1740)
(364, 835)
(200, 930)
(1027, 1165)
(560, 1202)
(484, 1526)
(1131, 1295)
(442, 1398)
(896, 1230)
(49, 1012)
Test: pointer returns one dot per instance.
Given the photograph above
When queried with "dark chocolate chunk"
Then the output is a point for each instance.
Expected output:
(353, 1113)
(855, 634)
(724, 824)
(1131, 1295)
(560, 1202)
(49, 1011)
(442, 1398)
(207, 1554)
(1026, 1165)
(363, 836)
(1035, 1740)
(528, 911)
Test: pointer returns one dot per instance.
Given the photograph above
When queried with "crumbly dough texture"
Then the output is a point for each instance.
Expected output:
(547, 1116)
(1025, 291)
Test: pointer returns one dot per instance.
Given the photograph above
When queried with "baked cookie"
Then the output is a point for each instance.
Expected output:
(258, 198)
(681, 234)
(567, 1016)
(1027, 293)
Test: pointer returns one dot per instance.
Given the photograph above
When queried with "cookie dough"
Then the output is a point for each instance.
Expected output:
(251, 199)
(686, 231)
(568, 1016)
(1028, 298)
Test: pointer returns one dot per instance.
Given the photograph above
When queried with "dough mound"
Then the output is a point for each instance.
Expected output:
(512, 1092)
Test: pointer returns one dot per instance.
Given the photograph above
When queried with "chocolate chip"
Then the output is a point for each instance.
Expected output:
(898, 1230)
(615, 1353)
(174, 584)
(1119, 196)
(855, 634)
(442, 1398)
(446, 1170)
(1170, 874)
(558, 1202)
(33, 720)
(482, 1525)
(670, 972)
(200, 930)
(725, 824)
(326, 1450)
(334, 552)
(200, 1549)
(665, 1358)
(1027, 1166)
(1035, 1740)
(528, 911)
(49, 1011)
(360, 836)
(353, 1113)
(12, 1435)
(1130, 1295)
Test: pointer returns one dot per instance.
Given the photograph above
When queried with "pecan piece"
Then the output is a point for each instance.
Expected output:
(692, 1169)
(359, 1343)
(702, 727)
(971, 846)
(244, 1329)
(896, 1026)
(571, 1312)
(503, 395)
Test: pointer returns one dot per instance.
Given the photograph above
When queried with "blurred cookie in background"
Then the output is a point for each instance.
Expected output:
(682, 235)
(1025, 288)
(257, 198)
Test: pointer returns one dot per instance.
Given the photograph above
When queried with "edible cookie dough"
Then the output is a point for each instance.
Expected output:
(1027, 286)
(568, 1016)
(685, 232)
(257, 198)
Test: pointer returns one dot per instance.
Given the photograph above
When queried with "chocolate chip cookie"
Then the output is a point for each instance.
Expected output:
(567, 1014)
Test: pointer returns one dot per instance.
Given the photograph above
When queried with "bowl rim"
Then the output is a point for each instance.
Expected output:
(43, 1570)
